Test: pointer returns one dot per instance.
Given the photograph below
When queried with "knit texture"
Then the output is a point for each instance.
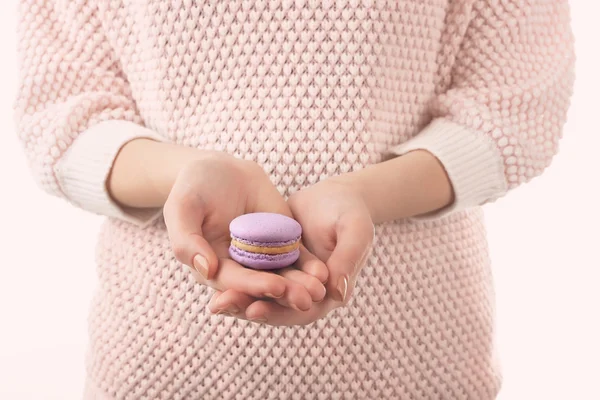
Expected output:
(307, 89)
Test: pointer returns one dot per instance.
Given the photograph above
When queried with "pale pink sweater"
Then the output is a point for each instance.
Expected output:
(308, 89)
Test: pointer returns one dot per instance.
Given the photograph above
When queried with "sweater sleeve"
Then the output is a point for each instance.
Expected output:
(499, 122)
(74, 110)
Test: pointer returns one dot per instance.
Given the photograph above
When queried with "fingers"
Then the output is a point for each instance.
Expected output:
(211, 304)
(354, 237)
(277, 315)
(231, 275)
(194, 251)
(184, 217)
(307, 283)
(289, 287)
(301, 291)
(243, 306)
(230, 302)
(310, 264)
(235, 303)
(296, 295)
(262, 284)
(304, 281)
(273, 313)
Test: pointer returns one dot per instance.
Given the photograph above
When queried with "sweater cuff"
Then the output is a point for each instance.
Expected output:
(82, 172)
(471, 159)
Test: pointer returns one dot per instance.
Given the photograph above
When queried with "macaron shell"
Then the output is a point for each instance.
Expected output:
(265, 227)
(263, 261)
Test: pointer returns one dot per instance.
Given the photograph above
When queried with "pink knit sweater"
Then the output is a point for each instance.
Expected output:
(308, 89)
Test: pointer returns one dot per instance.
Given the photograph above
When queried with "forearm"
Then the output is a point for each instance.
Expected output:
(144, 171)
(413, 184)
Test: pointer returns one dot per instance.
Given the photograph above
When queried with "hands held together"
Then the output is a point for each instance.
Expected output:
(201, 192)
(209, 192)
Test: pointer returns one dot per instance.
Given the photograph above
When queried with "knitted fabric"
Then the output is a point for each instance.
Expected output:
(307, 89)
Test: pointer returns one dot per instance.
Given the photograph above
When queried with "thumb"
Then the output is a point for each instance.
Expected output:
(354, 236)
(184, 221)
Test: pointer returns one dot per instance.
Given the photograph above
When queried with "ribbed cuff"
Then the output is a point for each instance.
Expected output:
(471, 159)
(83, 170)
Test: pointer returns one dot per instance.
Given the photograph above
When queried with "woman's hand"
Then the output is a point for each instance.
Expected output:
(269, 312)
(202, 191)
(208, 193)
(337, 228)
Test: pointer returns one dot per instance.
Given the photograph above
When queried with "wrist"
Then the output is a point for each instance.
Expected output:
(145, 170)
(169, 161)
(413, 184)
(362, 185)
(356, 185)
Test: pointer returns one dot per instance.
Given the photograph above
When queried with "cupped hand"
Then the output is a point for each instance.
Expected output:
(336, 228)
(208, 193)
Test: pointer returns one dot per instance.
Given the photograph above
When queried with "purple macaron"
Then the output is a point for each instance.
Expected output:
(265, 240)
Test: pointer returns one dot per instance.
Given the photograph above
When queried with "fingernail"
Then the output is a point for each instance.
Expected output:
(295, 307)
(271, 295)
(319, 301)
(232, 310)
(342, 287)
(259, 319)
(323, 296)
(201, 265)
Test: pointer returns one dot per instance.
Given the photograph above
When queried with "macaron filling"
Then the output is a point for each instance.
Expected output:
(261, 256)
(269, 248)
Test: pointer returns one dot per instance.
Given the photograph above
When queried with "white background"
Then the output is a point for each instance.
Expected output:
(544, 239)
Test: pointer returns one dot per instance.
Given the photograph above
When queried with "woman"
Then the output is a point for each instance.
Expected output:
(172, 118)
